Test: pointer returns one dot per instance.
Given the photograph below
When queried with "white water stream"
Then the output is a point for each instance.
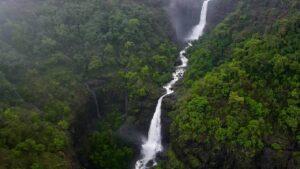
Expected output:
(153, 144)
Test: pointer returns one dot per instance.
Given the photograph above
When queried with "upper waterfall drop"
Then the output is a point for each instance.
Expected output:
(153, 144)
(197, 31)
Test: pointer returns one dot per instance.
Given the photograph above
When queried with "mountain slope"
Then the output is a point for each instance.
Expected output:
(239, 103)
(67, 66)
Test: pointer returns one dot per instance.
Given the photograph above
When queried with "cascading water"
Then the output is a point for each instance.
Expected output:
(153, 144)
(198, 29)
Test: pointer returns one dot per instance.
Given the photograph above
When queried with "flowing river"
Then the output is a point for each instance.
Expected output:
(153, 144)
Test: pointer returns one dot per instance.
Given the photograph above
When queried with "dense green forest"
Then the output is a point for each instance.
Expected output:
(73, 73)
(58, 59)
(238, 106)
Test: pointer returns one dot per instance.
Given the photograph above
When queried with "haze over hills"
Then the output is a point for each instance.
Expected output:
(80, 81)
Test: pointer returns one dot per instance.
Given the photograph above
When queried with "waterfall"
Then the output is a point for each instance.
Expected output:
(94, 96)
(197, 31)
(153, 144)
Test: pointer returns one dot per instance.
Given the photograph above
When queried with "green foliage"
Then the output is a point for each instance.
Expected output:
(27, 141)
(53, 58)
(106, 151)
(243, 93)
(176, 164)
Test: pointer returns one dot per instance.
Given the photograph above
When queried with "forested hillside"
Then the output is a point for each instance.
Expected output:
(79, 81)
(66, 66)
(238, 106)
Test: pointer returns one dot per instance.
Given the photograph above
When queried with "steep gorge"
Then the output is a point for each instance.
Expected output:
(80, 79)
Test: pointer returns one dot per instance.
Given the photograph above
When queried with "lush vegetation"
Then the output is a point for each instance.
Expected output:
(239, 106)
(75, 72)
(58, 59)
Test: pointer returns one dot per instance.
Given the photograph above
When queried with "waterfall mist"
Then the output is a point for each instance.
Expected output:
(184, 15)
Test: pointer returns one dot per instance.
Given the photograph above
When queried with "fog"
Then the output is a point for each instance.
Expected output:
(184, 15)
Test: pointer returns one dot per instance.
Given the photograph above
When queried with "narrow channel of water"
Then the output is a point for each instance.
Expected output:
(153, 144)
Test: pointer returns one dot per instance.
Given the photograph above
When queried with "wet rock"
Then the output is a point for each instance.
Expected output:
(178, 62)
